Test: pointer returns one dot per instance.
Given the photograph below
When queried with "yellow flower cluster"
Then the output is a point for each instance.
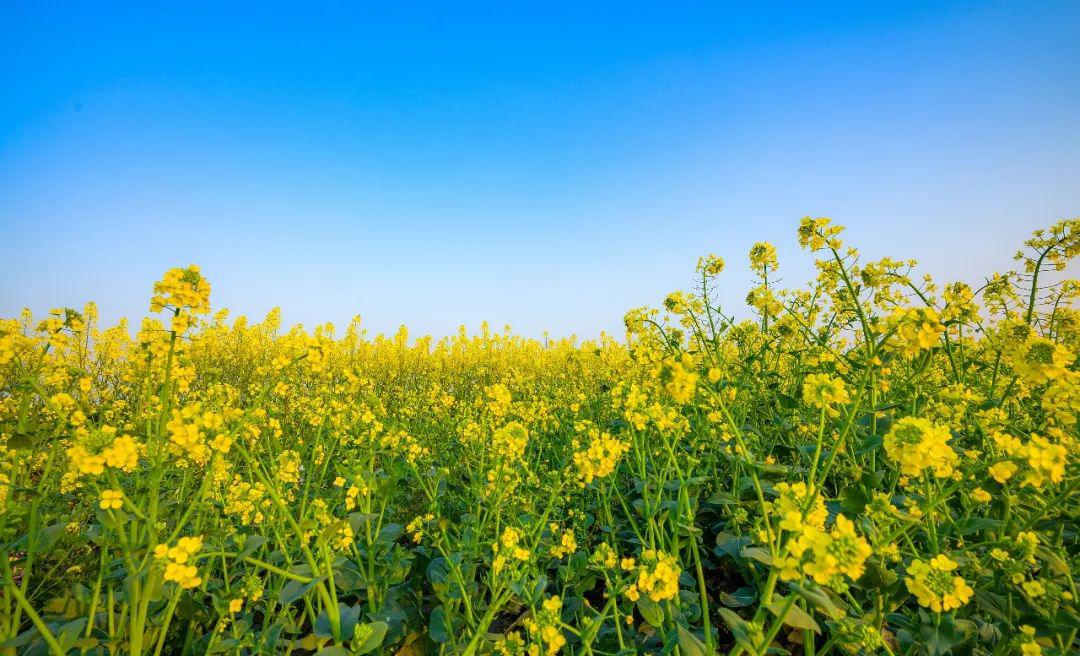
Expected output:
(935, 586)
(415, 528)
(792, 500)
(762, 299)
(565, 542)
(1046, 460)
(1002, 471)
(12, 340)
(1061, 400)
(512, 644)
(1039, 360)
(178, 567)
(352, 494)
(657, 576)
(509, 442)
(401, 442)
(600, 457)
(914, 330)
(289, 467)
(959, 303)
(827, 557)
(508, 548)
(83, 462)
(710, 265)
(818, 233)
(123, 453)
(763, 257)
(184, 291)
(917, 444)
(1028, 644)
(112, 500)
(185, 434)
(544, 632)
(825, 392)
(246, 501)
(679, 378)
(344, 538)
(604, 557)
(499, 399)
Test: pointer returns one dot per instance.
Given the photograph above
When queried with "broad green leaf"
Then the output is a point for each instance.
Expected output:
(689, 644)
(740, 629)
(875, 576)
(758, 554)
(439, 628)
(251, 545)
(368, 637)
(70, 633)
(819, 599)
(794, 616)
(744, 596)
(293, 590)
(650, 611)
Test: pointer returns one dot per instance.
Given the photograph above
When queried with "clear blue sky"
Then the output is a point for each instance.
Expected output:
(547, 166)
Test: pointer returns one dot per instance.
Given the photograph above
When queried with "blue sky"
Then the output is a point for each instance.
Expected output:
(548, 166)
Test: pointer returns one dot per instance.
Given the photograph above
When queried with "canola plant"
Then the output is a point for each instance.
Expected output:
(874, 464)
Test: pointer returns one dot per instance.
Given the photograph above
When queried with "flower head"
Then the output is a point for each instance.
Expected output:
(916, 445)
(935, 586)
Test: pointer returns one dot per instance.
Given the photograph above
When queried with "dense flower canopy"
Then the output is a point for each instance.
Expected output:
(872, 464)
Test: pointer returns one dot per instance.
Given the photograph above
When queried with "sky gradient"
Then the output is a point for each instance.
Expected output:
(544, 166)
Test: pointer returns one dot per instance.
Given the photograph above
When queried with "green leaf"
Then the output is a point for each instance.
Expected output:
(438, 574)
(357, 520)
(21, 442)
(970, 525)
(70, 632)
(758, 554)
(1051, 557)
(223, 646)
(310, 641)
(727, 544)
(251, 544)
(940, 639)
(390, 533)
(770, 469)
(48, 537)
(114, 519)
(650, 611)
(786, 402)
(740, 629)
(322, 628)
(268, 638)
(795, 617)
(350, 616)
(439, 628)
(853, 500)
(368, 637)
(331, 531)
(689, 644)
(21, 639)
(871, 443)
(819, 599)
(875, 576)
(744, 596)
(293, 590)
(722, 499)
